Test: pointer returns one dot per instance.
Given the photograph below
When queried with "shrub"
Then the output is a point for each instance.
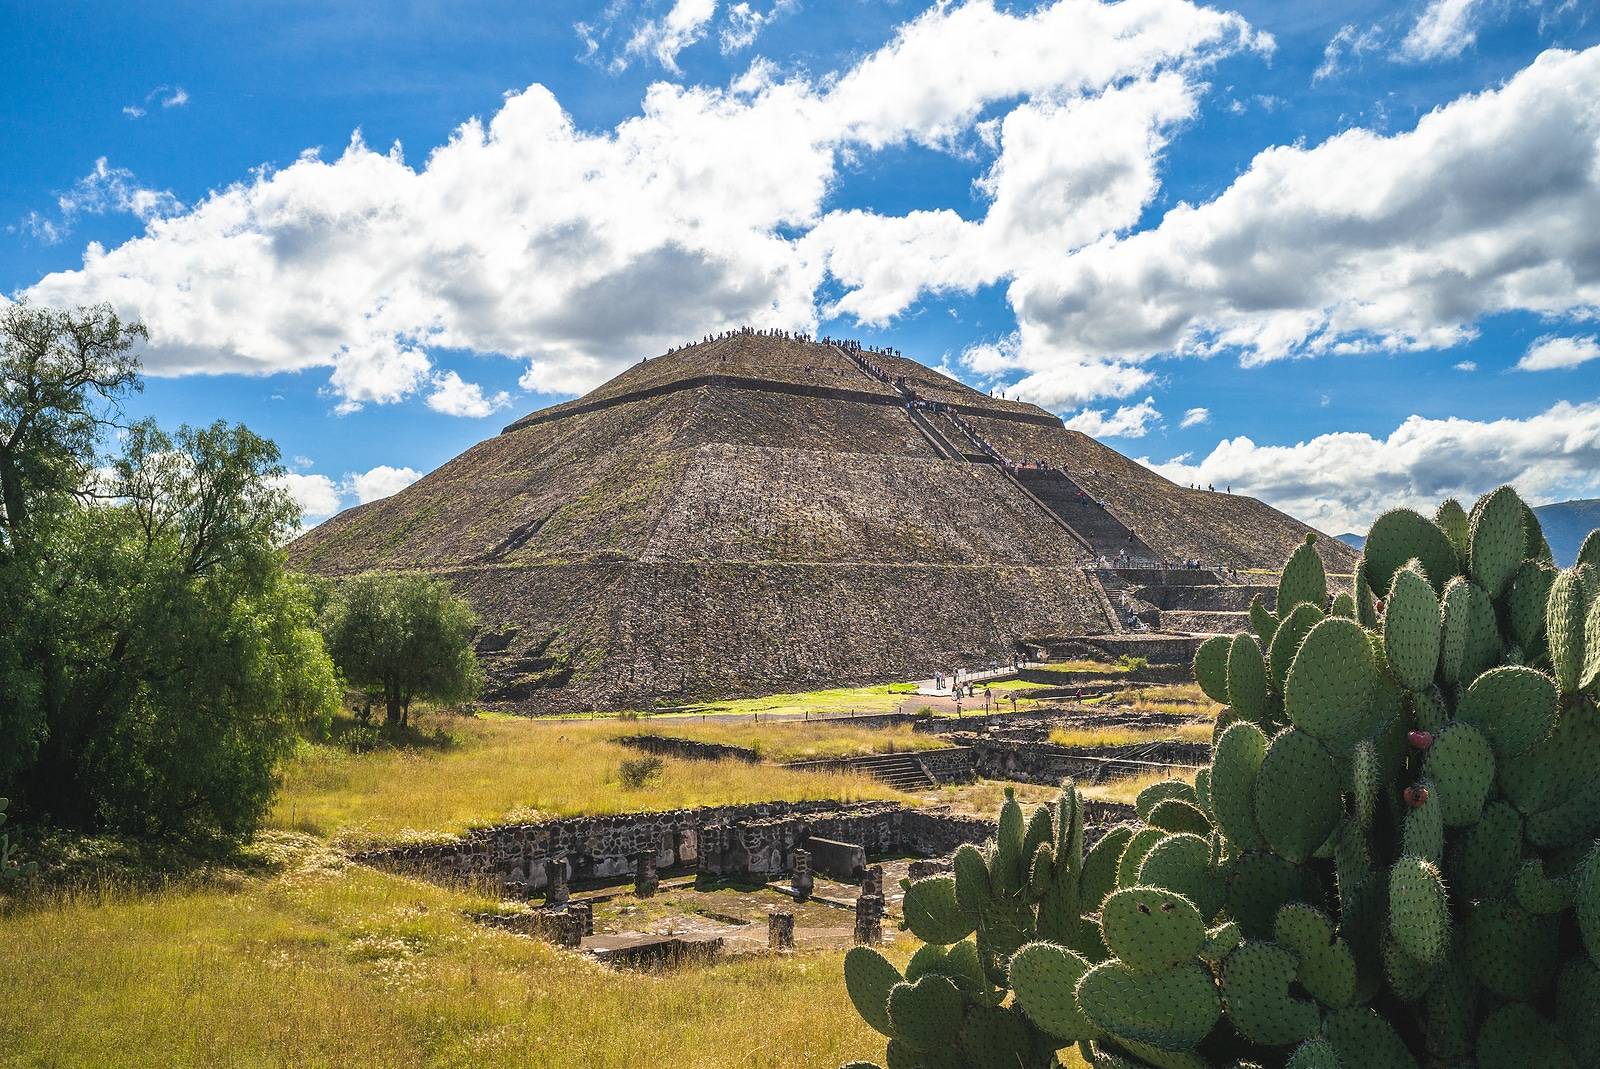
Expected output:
(635, 772)
(1389, 862)
(10, 869)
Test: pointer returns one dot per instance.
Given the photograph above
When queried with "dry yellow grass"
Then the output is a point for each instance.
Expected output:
(1127, 788)
(328, 965)
(514, 769)
(1127, 734)
(801, 741)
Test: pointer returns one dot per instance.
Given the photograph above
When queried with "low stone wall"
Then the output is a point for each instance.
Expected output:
(726, 841)
(1049, 765)
(693, 749)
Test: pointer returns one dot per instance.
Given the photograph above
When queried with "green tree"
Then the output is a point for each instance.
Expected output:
(404, 637)
(166, 657)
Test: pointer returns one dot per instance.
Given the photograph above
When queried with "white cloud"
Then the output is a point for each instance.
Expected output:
(168, 96)
(1346, 45)
(743, 23)
(580, 251)
(381, 481)
(456, 397)
(663, 38)
(1550, 352)
(1342, 481)
(1443, 30)
(104, 189)
(1466, 365)
(1195, 417)
(1363, 242)
(315, 494)
(1129, 421)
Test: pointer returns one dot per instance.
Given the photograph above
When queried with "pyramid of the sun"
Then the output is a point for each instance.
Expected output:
(757, 513)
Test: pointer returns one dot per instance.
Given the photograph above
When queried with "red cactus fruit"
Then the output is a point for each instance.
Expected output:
(1420, 740)
(1416, 796)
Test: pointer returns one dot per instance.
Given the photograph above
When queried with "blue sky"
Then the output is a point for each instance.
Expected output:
(1363, 238)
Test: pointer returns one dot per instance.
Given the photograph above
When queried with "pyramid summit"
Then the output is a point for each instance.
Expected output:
(762, 511)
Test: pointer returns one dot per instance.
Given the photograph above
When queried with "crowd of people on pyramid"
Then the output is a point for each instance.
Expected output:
(849, 345)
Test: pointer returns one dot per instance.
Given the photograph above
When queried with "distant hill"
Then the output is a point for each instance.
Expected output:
(1566, 524)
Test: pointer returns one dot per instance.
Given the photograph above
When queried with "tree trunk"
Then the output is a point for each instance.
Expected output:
(393, 713)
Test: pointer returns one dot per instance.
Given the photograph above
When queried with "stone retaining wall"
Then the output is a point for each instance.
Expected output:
(728, 841)
(693, 749)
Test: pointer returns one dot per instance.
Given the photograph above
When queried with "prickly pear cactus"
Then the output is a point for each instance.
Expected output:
(1391, 861)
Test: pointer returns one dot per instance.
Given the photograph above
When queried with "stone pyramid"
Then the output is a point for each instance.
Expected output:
(759, 512)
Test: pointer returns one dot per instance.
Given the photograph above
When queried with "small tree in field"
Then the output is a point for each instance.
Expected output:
(404, 637)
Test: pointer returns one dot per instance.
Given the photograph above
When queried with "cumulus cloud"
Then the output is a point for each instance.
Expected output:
(454, 396)
(1551, 352)
(744, 23)
(378, 482)
(1129, 421)
(1347, 45)
(1342, 481)
(1443, 30)
(316, 495)
(579, 251)
(104, 189)
(663, 38)
(1195, 417)
(1362, 242)
(1468, 366)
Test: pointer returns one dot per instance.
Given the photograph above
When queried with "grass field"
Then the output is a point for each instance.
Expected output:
(287, 955)
(490, 770)
(1125, 735)
(801, 741)
(324, 964)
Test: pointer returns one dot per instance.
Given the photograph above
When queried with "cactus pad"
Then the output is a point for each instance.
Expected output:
(1327, 968)
(1408, 978)
(1152, 929)
(1211, 667)
(868, 977)
(1423, 832)
(1456, 525)
(1262, 619)
(1331, 682)
(1537, 893)
(1173, 1009)
(927, 1013)
(1586, 902)
(1133, 856)
(996, 1037)
(1099, 877)
(1411, 628)
(932, 914)
(1287, 639)
(1461, 765)
(1526, 602)
(1363, 1038)
(1182, 864)
(1564, 626)
(1401, 535)
(1470, 640)
(1514, 706)
(1176, 815)
(1297, 800)
(1515, 1036)
(1497, 540)
(1236, 761)
(1255, 983)
(1045, 979)
(1484, 860)
(1509, 950)
(1314, 1053)
(1303, 580)
(973, 891)
(1247, 680)
(1578, 1008)
(1258, 884)
(1160, 791)
(1419, 911)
